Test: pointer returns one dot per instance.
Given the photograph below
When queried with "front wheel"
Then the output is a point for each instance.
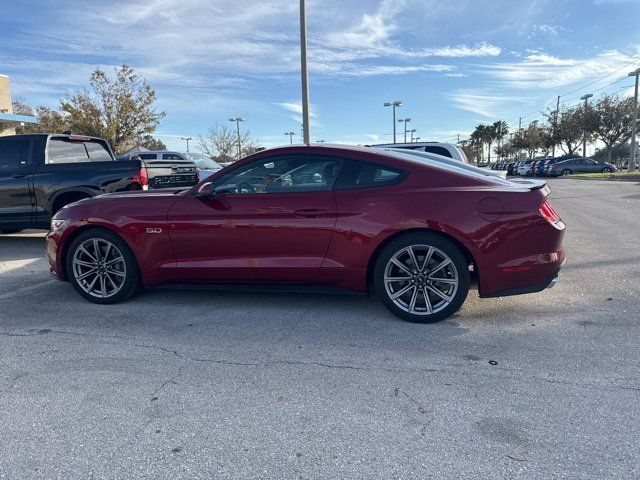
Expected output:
(102, 268)
(422, 278)
(606, 170)
(566, 172)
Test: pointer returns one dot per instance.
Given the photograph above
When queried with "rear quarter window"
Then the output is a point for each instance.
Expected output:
(356, 174)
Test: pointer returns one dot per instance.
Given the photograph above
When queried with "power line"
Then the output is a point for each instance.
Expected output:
(637, 59)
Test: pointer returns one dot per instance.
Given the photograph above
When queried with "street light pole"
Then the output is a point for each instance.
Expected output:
(584, 121)
(291, 134)
(306, 126)
(238, 120)
(634, 153)
(394, 105)
(405, 120)
(412, 131)
(186, 139)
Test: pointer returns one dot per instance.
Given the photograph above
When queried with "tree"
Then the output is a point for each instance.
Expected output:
(120, 109)
(221, 143)
(568, 134)
(49, 120)
(151, 143)
(500, 130)
(613, 117)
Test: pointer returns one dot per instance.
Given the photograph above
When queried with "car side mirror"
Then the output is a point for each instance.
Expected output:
(205, 191)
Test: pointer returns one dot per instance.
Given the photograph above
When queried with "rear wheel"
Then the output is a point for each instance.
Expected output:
(422, 277)
(102, 268)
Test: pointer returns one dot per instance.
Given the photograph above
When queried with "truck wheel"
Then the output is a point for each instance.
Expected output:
(422, 277)
(102, 267)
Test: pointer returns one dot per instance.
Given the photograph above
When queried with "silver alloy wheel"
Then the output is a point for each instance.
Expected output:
(99, 268)
(421, 279)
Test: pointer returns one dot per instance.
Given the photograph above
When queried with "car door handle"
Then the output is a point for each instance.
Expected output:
(310, 212)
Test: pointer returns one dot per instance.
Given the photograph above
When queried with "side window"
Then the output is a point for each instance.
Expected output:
(65, 151)
(362, 175)
(438, 150)
(147, 156)
(281, 175)
(97, 152)
(14, 153)
(172, 156)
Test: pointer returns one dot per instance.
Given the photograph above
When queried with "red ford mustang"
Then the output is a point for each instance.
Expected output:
(350, 218)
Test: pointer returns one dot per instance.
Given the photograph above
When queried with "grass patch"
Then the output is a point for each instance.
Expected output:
(624, 176)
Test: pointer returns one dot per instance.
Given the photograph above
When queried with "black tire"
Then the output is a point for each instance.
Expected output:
(422, 241)
(566, 172)
(132, 283)
(11, 230)
(606, 170)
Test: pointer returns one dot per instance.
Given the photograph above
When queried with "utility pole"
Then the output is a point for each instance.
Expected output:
(584, 121)
(186, 139)
(555, 127)
(634, 148)
(304, 74)
(520, 133)
(405, 120)
(412, 131)
(394, 105)
(291, 134)
(238, 120)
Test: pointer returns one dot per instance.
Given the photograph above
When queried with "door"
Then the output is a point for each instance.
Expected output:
(270, 220)
(16, 202)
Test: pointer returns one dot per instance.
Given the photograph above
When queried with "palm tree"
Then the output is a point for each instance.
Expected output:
(500, 130)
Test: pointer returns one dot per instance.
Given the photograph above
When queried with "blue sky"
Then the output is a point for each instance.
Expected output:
(454, 63)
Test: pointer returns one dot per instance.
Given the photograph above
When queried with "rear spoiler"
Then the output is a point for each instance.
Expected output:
(532, 185)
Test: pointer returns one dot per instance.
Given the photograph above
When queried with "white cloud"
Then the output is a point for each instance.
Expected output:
(541, 70)
(483, 102)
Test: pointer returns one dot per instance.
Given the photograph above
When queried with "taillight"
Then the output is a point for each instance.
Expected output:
(197, 175)
(144, 178)
(549, 213)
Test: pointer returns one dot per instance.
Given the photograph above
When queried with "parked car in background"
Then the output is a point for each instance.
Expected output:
(525, 167)
(205, 165)
(40, 174)
(447, 161)
(330, 216)
(580, 165)
(539, 169)
(511, 168)
(166, 169)
(444, 149)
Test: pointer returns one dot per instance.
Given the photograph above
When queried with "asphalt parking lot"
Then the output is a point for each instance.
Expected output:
(203, 384)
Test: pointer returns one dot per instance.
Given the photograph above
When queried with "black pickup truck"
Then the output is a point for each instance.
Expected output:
(40, 174)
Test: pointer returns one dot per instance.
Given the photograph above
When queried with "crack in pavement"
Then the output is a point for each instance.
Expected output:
(409, 369)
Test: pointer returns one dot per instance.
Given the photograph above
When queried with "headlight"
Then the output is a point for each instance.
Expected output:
(57, 225)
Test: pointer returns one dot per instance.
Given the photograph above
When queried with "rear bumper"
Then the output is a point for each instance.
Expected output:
(550, 283)
(525, 275)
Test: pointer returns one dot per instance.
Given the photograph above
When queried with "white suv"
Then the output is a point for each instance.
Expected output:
(443, 149)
